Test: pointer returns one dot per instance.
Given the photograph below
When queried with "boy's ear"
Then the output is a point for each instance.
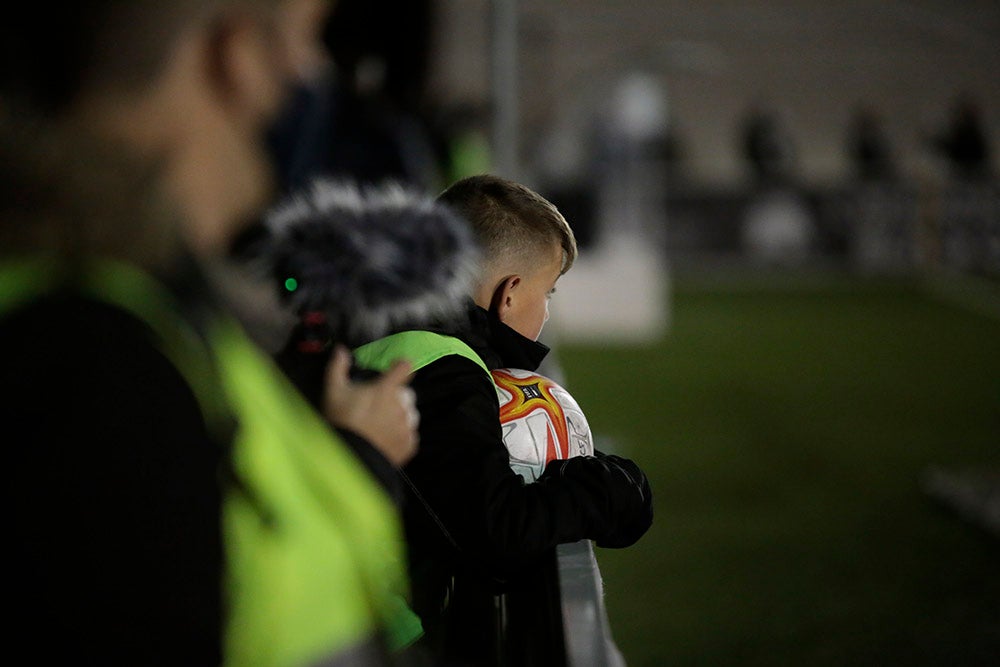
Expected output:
(503, 296)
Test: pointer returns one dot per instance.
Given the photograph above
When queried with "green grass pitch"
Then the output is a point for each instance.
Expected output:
(785, 433)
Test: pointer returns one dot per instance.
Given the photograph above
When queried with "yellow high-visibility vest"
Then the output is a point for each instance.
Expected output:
(315, 559)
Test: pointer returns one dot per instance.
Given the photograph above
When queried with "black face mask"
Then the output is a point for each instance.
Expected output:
(297, 143)
(299, 139)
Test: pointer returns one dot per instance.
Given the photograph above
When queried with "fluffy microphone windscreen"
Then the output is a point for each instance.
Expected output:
(367, 258)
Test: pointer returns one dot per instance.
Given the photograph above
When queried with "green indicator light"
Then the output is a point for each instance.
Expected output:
(291, 284)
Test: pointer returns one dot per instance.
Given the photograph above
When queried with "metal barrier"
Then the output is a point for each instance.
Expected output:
(586, 631)
(555, 615)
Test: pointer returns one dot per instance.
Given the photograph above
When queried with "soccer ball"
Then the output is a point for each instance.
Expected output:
(540, 421)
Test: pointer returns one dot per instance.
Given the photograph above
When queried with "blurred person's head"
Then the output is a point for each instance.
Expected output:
(150, 114)
(526, 245)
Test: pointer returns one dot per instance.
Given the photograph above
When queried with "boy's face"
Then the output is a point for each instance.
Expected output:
(528, 306)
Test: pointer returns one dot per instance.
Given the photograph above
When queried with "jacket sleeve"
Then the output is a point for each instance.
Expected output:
(380, 468)
(622, 480)
(462, 474)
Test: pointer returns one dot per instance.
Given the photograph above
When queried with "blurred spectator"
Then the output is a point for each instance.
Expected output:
(630, 168)
(767, 147)
(868, 147)
(461, 135)
(776, 227)
(364, 116)
(963, 142)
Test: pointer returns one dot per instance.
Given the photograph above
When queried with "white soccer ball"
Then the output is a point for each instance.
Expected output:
(541, 421)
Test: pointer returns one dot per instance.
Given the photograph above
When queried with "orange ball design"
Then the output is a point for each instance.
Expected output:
(540, 420)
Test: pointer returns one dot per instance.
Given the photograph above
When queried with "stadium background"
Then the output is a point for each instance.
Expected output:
(815, 411)
(792, 415)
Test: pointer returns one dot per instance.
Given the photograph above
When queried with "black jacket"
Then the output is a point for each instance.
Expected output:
(114, 484)
(468, 515)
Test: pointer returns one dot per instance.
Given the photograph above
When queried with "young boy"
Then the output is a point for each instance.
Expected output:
(473, 526)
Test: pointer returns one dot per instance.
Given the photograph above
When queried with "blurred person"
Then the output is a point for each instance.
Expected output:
(963, 142)
(868, 147)
(474, 528)
(362, 117)
(174, 501)
(767, 147)
(460, 134)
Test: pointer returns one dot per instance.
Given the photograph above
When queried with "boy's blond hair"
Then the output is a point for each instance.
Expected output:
(515, 226)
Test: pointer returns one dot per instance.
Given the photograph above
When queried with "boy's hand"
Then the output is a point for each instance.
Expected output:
(630, 489)
(615, 489)
(383, 411)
